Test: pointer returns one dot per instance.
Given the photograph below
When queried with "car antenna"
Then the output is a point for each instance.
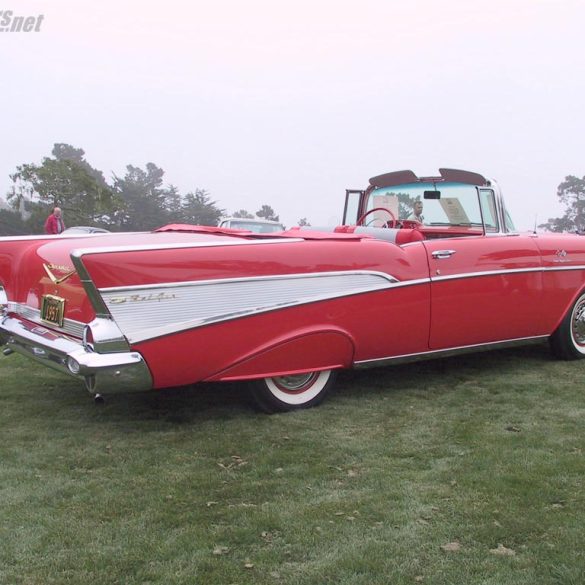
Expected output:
(535, 218)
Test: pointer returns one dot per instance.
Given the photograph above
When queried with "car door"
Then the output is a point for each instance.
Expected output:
(483, 289)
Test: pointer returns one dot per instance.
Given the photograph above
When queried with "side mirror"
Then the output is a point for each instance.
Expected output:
(432, 195)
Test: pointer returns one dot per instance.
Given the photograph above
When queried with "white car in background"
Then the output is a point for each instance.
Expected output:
(85, 229)
(259, 226)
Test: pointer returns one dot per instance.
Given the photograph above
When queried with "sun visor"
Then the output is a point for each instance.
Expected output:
(395, 178)
(458, 176)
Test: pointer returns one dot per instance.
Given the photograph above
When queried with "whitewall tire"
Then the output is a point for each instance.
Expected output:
(284, 393)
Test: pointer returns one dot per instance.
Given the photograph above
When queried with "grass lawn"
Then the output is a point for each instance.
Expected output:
(461, 471)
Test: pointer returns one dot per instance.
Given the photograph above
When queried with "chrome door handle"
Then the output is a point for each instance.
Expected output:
(439, 254)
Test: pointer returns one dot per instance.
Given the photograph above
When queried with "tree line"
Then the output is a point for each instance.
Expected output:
(137, 201)
(571, 194)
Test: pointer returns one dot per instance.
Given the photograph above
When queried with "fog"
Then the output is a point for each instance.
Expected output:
(290, 103)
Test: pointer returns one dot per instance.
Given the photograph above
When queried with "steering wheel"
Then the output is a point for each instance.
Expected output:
(391, 224)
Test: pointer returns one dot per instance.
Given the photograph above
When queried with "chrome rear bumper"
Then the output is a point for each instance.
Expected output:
(103, 373)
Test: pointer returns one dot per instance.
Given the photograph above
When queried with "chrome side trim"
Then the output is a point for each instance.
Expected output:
(78, 253)
(102, 373)
(485, 273)
(561, 268)
(26, 238)
(153, 311)
(441, 353)
(391, 279)
(509, 271)
(48, 237)
(413, 282)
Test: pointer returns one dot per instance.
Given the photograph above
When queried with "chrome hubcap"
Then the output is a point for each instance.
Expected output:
(295, 383)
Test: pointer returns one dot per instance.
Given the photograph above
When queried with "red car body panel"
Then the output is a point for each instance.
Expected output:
(252, 258)
(475, 308)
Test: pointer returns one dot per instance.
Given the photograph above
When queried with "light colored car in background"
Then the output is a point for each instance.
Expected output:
(85, 229)
(258, 226)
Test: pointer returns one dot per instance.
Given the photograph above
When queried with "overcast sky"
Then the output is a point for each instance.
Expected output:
(290, 103)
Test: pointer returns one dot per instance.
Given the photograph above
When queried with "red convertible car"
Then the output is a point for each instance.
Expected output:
(422, 267)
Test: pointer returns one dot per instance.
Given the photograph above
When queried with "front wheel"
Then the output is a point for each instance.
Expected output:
(568, 341)
(284, 393)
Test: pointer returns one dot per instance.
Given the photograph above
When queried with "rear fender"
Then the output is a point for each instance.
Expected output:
(301, 351)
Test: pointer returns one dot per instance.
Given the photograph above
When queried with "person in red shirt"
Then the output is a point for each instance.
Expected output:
(54, 223)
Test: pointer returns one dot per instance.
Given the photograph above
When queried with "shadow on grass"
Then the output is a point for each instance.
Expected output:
(427, 373)
(428, 379)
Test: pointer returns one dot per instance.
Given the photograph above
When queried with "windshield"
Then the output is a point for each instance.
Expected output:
(445, 204)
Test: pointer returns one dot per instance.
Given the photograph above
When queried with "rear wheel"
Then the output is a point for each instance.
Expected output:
(284, 393)
(568, 341)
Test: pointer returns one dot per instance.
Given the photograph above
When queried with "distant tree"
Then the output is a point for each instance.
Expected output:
(571, 193)
(198, 209)
(267, 213)
(67, 180)
(11, 223)
(34, 214)
(62, 151)
(138, 200)
(172, 203)
(144, 198)
(242, 213)
(303, 222)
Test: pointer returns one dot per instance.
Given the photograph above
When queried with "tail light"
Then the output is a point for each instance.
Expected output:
(87, 338)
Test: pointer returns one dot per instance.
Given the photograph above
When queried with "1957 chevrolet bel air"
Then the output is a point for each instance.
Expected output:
(422, 267)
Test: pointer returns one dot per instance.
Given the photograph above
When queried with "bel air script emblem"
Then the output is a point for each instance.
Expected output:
(561, 256)
(162, 296)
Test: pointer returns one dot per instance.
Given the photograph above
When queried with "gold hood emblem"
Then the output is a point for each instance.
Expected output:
(58, 279)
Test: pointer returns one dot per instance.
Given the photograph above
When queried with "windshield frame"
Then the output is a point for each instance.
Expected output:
(503, 222)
